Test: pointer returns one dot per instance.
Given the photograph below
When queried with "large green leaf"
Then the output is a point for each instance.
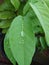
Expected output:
(16, 3)
(22, 40)
(42, 11)
(8, 51)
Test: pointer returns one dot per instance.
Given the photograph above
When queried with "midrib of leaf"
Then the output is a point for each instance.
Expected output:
(22, 40)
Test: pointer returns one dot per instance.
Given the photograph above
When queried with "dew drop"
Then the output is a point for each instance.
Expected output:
(22, 33)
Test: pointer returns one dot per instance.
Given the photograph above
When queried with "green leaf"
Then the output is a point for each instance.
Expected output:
(8, 50)
(7, 15)
(6, 5)
(5, 30)
(22, 40)
(42, 11)
(16, 4)
(20, 10)
(5, 23)
(43, 43)
(27, 6)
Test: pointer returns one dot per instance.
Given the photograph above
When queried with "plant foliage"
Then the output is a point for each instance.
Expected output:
(26, 23)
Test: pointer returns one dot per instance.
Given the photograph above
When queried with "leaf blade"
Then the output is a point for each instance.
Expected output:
(24, 40)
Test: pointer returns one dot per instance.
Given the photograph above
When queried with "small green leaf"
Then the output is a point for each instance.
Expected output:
(7, 15)
(43, 43)
(5, 23)
(16, 4)
(6, 5)
(26, 8)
